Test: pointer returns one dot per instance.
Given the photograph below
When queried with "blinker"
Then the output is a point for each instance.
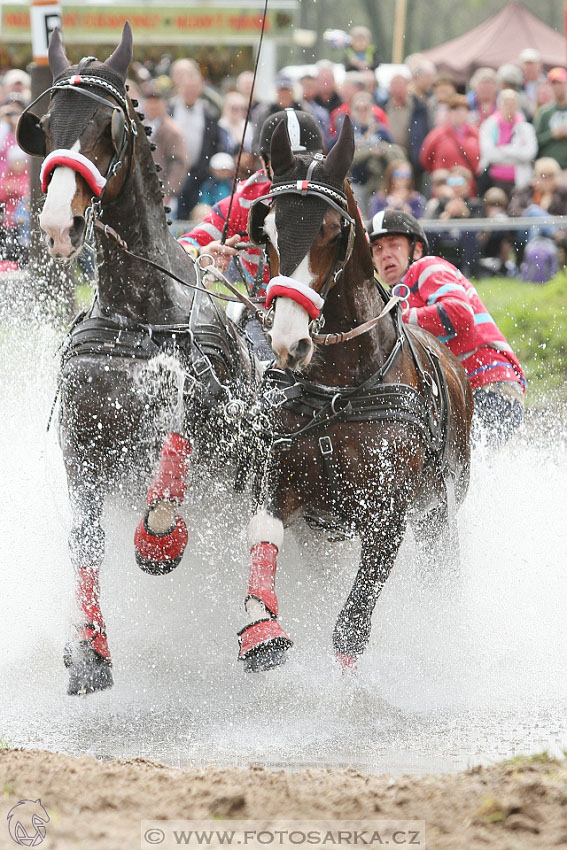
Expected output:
(29, 134)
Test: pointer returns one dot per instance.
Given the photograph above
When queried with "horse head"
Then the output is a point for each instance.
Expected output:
(310, 233)
(86, 139)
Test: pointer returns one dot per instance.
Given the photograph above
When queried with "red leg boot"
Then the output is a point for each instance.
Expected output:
(88, 657)
(263, 642)
(158, 552)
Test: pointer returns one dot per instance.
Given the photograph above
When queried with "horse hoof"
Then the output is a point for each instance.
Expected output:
(263, 645)
(266, 657)
(88, 671)
(159, 554)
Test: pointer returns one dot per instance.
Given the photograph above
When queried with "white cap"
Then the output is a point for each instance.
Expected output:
(222, 162)
(15, 76)
(530, 54)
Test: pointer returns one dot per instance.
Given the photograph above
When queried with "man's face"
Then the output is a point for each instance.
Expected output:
(399, 87)
(559, 91)
(153, 107)
(284, 98)
(390, 255)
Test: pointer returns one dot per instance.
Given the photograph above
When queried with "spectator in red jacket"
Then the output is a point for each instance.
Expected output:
(453, 143)
(442, 301)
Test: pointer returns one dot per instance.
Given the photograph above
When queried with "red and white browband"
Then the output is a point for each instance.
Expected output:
(297, 291)
(79, 163)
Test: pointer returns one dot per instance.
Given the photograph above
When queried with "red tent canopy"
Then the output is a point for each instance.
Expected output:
(499, 39)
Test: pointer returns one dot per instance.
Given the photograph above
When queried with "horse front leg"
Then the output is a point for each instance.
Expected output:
(263, 642)
(437, 539)
(161, 536)
(381, 541)
(87, 656)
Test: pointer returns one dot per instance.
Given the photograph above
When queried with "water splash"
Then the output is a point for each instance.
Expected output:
(444, 684)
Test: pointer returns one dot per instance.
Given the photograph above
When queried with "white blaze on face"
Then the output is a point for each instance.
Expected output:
(56, 219)
(291, 320)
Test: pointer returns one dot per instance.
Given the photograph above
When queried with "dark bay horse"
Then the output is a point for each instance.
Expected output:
(365, 431)
(152, 361)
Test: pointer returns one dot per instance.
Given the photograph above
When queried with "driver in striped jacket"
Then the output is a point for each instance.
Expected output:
(442, 301)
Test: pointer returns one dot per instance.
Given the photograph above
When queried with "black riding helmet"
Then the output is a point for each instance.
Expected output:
(397, 223)
(303, 131)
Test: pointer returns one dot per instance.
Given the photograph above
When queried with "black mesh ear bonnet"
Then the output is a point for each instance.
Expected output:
(70, 113)
(299, 217)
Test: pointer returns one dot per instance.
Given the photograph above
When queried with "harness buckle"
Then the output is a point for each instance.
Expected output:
(275, 397)
(325, 446)
(202, 366)
(189, 385)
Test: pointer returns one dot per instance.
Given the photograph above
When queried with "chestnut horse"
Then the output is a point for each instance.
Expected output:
(367, 431)
(152, 365)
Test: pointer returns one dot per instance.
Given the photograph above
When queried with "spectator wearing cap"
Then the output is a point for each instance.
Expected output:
(361, 53)
(219, 184)
(551, 121)
(508, 146)
(18, 82)
(453, 143)
(484, 87)
(284, 99)
(170, 152)
(198, 121)
(533, 77)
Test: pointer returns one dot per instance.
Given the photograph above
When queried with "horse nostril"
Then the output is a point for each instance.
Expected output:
(77, 231)
(300, 350)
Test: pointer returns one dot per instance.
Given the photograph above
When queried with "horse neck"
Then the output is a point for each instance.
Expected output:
(354, 300)
(129, 286)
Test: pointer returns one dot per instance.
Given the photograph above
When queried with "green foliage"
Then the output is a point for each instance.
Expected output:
(533, 318)
(525, 761)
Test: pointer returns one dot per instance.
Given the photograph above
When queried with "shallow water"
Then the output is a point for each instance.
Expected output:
(444, 684)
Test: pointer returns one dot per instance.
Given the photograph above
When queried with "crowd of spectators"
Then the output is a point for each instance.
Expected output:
(496, 148)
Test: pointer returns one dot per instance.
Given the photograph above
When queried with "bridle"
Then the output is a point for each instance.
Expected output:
(312, 301)
(123, 128)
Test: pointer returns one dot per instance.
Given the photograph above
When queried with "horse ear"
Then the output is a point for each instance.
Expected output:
(123, 54)
(281, 154)
(339, 158)
(58, 61)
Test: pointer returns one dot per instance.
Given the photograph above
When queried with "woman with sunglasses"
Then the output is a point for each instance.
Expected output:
(398, 191)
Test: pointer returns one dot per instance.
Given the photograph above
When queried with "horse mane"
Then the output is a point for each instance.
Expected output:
(361, 249)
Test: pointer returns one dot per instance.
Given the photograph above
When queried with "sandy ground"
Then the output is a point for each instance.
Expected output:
(94, 804)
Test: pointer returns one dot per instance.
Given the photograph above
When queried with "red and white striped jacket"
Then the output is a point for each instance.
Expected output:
(446, 304)
(210, 229)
